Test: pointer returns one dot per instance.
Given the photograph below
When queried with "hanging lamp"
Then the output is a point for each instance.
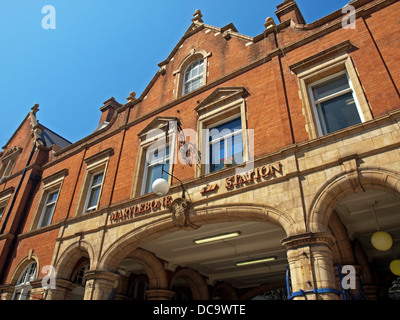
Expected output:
(381, 240)
(395, 267)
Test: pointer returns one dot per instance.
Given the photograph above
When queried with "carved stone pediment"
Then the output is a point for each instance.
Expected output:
(157, 123)
(222, 96)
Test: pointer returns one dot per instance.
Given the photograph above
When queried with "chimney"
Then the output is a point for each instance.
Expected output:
(287, 10)
(108, 110)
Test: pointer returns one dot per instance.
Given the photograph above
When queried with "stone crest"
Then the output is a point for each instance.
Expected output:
(180, 209)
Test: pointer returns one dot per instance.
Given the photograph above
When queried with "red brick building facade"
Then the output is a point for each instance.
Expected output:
(311, 111)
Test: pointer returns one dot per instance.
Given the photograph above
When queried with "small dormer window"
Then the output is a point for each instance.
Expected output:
(193, 77)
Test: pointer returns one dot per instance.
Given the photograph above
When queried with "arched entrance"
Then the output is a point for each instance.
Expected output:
(238, 246)
(353, 207)
(71, 269)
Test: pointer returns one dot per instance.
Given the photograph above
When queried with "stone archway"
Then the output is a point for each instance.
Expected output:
(70, 257)
(224, 291)
(117, 251)
(341, 186)
(129, 246)
(345, 253)
(156, 274)
(196, 283)
(153, 267)
(65, 266)
(360, 188)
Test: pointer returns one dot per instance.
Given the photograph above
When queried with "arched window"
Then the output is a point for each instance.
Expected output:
(23, 287)
(193, 76)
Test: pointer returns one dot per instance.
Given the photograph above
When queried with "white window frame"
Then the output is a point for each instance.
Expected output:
(151, 136)
(23, 286)
(51, 184)
(315, 103)
(45, 206)
(224, 104)
(90, 190)
(95, 164)
(195, 64)
(209, 143)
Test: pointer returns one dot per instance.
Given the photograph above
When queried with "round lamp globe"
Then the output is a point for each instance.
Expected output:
(382, 241)
(160, 187)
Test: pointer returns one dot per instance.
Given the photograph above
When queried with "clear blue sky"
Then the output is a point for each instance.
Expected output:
(101, 49)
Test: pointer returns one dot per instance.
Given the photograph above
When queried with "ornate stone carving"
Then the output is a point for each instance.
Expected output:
(180, 209)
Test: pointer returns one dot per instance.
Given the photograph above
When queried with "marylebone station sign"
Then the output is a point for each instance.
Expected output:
(251, 177)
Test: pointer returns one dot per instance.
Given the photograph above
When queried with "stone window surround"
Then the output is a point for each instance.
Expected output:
(8, 162)
(321, 66)
(223, 103)
(158, 123)
(179, 73)
(94, 164)
(4, 198)
(50, 184)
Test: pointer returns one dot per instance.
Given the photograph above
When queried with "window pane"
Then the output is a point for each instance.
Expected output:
(94, 197)
(154, 167)
(94, 191)
(338, 113)
(330, 87)
(231, 125)
(196, 83)
(97, 179)
(153, 173)
(228, 138)
(47, 216)
(217, 154)
(194, 72)
(237, 149)
(27, 274)
(157, 155)
(52, 197)
(48, 210)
